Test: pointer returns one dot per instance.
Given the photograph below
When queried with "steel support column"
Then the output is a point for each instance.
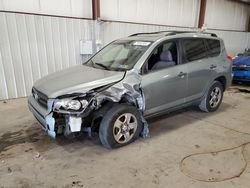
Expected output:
(95, 9)
(202, 14)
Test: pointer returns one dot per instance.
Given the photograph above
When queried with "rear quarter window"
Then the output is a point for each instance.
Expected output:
(194, 49)
(214, 47)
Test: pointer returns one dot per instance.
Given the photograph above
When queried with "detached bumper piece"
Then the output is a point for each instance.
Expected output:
(75, 123)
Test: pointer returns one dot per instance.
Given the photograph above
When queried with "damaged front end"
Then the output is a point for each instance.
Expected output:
(74, 113)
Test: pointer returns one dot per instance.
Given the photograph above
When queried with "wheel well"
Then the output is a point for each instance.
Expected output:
(127, 99)
(99, 114)
(223, 81)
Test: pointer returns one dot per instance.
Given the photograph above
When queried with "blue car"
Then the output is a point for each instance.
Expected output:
(241, 67)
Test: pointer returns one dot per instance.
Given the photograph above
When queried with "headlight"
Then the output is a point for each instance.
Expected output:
(73, 105)
(69, 104)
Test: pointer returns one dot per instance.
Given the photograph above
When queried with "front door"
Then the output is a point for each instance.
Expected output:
(165, 82)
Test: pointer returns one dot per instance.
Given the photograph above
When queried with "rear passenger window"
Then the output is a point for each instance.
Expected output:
(214, 47)
(194, 49)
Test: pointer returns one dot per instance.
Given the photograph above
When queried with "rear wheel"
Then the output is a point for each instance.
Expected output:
(213, 98)
(120, 126)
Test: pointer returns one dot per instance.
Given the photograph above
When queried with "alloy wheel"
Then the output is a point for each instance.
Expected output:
(215, 97)
(124, 128)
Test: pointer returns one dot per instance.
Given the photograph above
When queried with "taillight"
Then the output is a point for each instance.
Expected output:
(229, 57)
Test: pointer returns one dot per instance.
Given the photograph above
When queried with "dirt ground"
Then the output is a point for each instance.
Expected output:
(186, 149)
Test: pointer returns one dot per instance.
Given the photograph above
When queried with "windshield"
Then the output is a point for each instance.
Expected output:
(119, 55)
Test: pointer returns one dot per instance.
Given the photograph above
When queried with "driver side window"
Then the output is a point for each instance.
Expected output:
(163, 56)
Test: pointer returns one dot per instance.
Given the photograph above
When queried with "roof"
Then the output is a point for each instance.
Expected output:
(153, 36)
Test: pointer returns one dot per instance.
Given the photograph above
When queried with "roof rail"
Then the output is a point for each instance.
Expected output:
(148, 33)
(195, 32)
(212, 34)
(171, 32)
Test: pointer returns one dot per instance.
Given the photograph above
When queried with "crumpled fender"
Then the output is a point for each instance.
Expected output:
(129, 86)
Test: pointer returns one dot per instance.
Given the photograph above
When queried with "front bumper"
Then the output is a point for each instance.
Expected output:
(43, 116)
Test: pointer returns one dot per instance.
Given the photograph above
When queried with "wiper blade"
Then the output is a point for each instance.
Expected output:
(101, 65)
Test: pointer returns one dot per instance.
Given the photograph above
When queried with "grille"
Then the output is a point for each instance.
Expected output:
(41, 98)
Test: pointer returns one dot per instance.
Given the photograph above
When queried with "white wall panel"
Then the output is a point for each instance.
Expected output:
(15, 47)
(162, 12)
(24, 51)
(57, 7)
(1, 5)
(56, 43)
(64, 43)
(225, 14)
(71, 41)
(72, 8)
(81, 8)
(41, 47)
(7, 59)
(114, 30)
(77, 36)
(33, 46)
(3, 83)
(21, 5)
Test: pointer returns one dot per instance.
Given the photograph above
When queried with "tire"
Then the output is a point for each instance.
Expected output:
(115, 130)
(208, 104)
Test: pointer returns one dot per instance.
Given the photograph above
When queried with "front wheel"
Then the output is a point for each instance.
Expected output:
(213, 98)
(120, 126)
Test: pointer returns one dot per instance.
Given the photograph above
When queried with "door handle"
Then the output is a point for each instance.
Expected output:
(213, 66)
(182, 74)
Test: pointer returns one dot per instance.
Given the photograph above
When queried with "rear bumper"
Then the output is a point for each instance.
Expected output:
(241, 75)
(242, 79)
(42, 115)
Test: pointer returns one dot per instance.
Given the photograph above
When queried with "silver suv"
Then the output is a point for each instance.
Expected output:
(130, 80)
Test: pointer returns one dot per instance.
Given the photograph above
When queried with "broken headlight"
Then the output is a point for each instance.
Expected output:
(70, 104)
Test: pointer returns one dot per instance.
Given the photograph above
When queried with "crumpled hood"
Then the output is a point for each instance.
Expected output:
(242, 60)
(77, 79)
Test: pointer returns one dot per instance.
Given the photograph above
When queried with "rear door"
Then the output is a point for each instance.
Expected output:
(199, 67)
(214, 55)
